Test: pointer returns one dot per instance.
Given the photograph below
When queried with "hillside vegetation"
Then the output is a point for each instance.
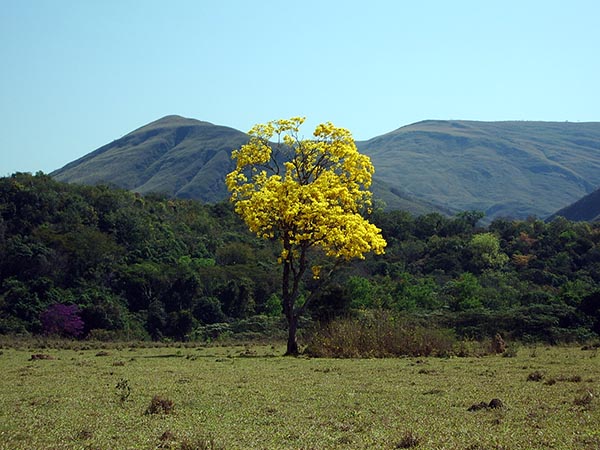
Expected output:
(506, 169)
(584, 209)
(127, 266)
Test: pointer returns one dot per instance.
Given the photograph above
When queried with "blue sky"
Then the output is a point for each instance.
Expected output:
(78, 74)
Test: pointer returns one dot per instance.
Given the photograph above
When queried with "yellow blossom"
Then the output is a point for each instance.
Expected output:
(310, 190)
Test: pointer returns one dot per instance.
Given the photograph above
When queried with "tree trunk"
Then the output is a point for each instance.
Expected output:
(292, 343)
(289, 293)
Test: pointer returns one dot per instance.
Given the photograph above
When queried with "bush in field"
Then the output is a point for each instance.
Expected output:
(408, 440)
(160, 405)
(62, 320)
(380, 335)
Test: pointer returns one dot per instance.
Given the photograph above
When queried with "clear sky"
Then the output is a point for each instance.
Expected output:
(77, 74)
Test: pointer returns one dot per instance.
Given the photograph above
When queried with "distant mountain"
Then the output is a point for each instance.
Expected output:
(187, 158)
(180, 157)
(586, 209)
(513, 169)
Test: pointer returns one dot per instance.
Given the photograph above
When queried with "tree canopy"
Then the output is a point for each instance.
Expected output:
(140, 267)
(306, 194)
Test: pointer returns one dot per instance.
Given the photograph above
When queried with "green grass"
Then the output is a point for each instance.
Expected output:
(249, 397)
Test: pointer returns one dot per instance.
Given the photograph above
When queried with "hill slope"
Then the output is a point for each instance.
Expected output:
(180, 157)
(513, 169)
(503, 168)
(186, 158)
(585, 209)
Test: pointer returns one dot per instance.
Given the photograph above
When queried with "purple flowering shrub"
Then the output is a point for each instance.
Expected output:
(63, 320)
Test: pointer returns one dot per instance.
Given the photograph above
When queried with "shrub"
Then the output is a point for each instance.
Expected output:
(379, 335)
(584, 398)
(62, 320)
(535, 376)
(211, 331)
(40, 356)
(511, 351)
(408, 440)
(160, 405)
(123, 390)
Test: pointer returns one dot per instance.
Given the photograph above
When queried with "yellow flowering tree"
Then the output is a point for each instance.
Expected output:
(308, 194)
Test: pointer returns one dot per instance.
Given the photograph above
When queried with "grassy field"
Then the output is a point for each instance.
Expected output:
(252, 398)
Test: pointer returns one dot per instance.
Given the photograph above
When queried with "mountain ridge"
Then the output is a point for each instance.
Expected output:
(503, 168)
(186, 158)
(506, 169)
(162, 156)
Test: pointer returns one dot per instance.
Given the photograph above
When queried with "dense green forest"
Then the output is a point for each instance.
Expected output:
(105, 263)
